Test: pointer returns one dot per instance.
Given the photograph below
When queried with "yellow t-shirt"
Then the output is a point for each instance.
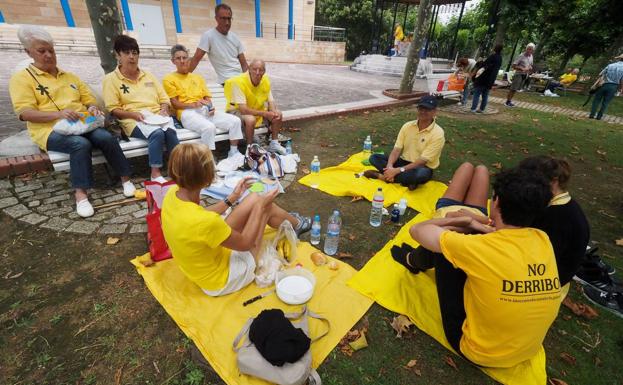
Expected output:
(240, 90)
(426, 144)
(194, 236)
(512, 292)
(567, 79)
(146, 93)
(188, 88)
(66, 89)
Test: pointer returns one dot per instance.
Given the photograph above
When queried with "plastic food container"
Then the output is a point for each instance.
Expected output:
(295, 286)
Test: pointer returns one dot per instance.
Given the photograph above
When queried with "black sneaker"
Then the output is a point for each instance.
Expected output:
(610, 300)
(598, 279)
(592, 257)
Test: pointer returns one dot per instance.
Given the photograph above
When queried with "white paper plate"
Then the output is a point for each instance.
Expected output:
(156, 119)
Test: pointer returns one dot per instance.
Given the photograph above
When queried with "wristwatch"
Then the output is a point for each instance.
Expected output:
(402, 169)
(228, 202)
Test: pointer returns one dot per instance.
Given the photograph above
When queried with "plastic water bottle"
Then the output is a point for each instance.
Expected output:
(289, 147)
(376, 214)
(315, 230)
(402, 206)
(367, 145)
(333, 233)
(315, 165)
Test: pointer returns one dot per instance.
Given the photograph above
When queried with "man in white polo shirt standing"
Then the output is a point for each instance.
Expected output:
(223, 47)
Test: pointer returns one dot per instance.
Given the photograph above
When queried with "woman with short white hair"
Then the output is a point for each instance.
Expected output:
(42, 95)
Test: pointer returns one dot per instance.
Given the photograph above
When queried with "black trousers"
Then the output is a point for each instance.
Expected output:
(450, 285)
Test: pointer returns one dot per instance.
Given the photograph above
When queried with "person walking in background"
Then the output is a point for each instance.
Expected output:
(467, 68)
(485, 80)
(613, 81)
(224, 48)
(522, 66)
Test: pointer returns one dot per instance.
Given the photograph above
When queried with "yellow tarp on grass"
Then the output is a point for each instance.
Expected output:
(213, 323)
(415, 295)
(341, 181)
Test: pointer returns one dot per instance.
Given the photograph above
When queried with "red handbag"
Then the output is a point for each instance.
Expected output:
(158, 247)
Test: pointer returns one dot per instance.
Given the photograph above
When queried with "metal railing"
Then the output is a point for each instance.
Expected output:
(302, 32)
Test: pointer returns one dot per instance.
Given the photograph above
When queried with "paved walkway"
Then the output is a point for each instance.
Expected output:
(556, 110)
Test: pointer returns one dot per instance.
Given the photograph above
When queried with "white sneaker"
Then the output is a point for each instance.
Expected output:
(84, 208)
(276, 147)
(159, 179)
(128, 189)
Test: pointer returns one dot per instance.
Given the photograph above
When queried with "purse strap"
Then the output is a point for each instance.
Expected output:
(42, 88)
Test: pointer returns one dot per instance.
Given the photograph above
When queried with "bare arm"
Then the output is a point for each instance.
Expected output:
(123, 114)
(243, 62)
(175, 102)
(35, 116)
(429, 232)
(393, 157)
(194, 61)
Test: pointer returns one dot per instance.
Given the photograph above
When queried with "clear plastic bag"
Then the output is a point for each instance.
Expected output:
(276, 253)
(86, 123)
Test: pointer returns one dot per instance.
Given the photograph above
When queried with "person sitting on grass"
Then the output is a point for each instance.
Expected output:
(498, 291)
(250, 98)
(191, 98)
(217, 247)
(566, 79)
(563, 220)
(128, 93)
(416, 152)
(466, 196)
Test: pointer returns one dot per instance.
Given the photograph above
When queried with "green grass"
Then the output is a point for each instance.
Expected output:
(571, 100)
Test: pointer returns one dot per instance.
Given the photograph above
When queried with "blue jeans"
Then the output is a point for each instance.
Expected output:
(79, 149)
(466, 91)
(484, 91)
(408, 178)
(604, 95)
(157, 141)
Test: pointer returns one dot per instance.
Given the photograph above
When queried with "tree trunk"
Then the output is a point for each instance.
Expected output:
(563, 64)
(413, 56)
(106, 23)
(500, 32)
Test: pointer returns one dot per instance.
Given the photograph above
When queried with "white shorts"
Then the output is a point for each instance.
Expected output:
(208, 127)
(241, 273)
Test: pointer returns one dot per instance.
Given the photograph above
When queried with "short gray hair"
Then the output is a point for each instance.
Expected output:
(531, 45)
(27, 34)
(176, 48)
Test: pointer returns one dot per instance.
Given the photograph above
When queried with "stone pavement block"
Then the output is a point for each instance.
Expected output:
(82, 227)
(58, 198)
(47, 207)
(128, 209)
(138, 228)
(34, 203)
(29, 187)
(16, 211)
(57, 224)
(62, 210)
(114, 198)
(140, 214)
(113, 229)
(97, 202)
(121, 219)
(101, 194)
(5, 183)
(6, 202)
(25, 194)
(41, 196)
(100, 217)
(5, 193)
(33, 218)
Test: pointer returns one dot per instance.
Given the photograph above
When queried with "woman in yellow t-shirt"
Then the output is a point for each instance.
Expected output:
(42, 95)
(216, 247)
(133, 96)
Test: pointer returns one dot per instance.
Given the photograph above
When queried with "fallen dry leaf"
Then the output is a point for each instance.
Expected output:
(619, 242)
(411, 363)
(448, 360)
(352, 237)
(294, 129)
(568, 358)
(16, 275)
(535, 120)
(417, 372)
(356, 198)
(305, 170)
(401, 324)
(556, 381)
(601, 152)
(580, 309)
(112, 241)
(497, 165)
(118, 376)
(597, 361)
(344, 255)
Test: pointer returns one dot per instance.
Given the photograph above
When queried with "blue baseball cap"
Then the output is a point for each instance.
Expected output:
(429, 102)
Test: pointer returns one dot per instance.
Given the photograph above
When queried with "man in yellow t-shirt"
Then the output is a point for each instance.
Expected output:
(566, 80)
(416, 152)
(191, 98)
(499, 291)
(249, 97)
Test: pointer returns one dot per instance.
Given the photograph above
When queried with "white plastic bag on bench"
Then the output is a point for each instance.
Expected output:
(86, 123)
